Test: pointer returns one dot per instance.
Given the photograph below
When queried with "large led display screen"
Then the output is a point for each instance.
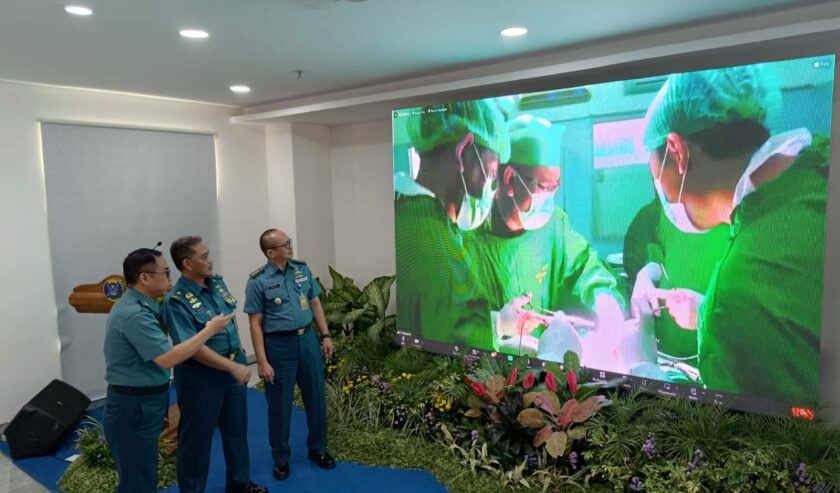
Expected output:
(669, 229)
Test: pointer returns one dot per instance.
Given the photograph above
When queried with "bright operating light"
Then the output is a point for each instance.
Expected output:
(77, 10)
(240, 89)
(193, 33)
(512, 32)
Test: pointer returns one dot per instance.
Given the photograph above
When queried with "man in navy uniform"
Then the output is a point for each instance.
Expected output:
(138, 357)
(211, 385)
(281, 300)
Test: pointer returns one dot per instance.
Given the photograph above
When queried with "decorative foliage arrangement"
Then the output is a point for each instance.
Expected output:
(543, 430)
(351, 311)
(519, 416)
(94, 470)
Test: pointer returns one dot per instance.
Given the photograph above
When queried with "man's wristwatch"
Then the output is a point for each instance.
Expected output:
(324, 336)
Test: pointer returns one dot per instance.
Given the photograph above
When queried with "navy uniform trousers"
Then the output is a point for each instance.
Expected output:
(296, 359)
(210, 398)
(133, 424)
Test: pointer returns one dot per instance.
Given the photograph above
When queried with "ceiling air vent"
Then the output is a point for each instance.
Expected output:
(555, 98)
(642, 86)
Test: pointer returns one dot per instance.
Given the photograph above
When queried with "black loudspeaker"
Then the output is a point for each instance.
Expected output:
(37, 427)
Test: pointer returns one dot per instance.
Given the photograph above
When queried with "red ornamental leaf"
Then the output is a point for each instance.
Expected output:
(511, 379)
(550, 382)
(542, 435)
(588, 408)
(548, 402)
(556, 444)
(495, 387)
(473, 413)
(571, 379)
(529, 398)
(532, 418)
(569, 411)
(478, 388)
(528, 381)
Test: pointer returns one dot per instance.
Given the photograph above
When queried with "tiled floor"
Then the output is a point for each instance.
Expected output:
(13, 480)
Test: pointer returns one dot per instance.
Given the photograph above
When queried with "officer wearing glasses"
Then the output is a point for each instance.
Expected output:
(211, 385)
(138, 357)
(281, 300)
(530, 248)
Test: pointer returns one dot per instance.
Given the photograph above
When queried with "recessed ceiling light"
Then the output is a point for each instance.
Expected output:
(240, 89)
(193, 33)
(512, 32)
(77, 10)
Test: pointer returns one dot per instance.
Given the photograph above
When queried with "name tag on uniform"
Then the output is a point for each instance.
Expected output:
(304, 303)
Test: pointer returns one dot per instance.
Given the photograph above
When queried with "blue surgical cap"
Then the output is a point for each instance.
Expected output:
(693, 101)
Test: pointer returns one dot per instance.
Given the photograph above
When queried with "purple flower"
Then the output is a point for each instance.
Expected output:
(635, 484)
(474, 436)
(573, 460)
(649, 447)
(801, 476)
(695, 463)
(400, 416)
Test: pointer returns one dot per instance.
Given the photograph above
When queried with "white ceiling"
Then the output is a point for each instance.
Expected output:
(341, 45)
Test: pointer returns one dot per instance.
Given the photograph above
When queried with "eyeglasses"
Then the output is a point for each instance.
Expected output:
(535, 186)
(287, 245)
(167, 272)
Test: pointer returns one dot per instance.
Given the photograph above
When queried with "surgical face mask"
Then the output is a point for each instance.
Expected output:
(474, 210)
(675, 212)
(542, 207)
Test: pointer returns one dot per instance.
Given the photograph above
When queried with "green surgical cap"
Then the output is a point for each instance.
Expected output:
(694, 101)
(448, 123)
(534, 142)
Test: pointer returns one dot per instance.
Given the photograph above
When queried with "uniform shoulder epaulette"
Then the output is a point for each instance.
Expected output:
(215, 276)
(299, 261)
(256, 272)
(175, 294)
(146, 305)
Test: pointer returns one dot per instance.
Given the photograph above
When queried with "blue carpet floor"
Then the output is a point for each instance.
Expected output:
(305, 476)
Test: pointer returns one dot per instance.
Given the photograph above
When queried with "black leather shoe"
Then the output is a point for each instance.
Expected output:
(281, 470)
(324, 461)
(248, 487)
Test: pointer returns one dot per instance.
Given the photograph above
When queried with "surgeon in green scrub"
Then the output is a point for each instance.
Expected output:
(668, 258)
(459, 147)
(714, 162)
(529, 247)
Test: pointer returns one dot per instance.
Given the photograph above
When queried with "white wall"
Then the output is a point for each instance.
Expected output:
(363, 201)
(315, 240)
(280, 176)
(29, 355)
